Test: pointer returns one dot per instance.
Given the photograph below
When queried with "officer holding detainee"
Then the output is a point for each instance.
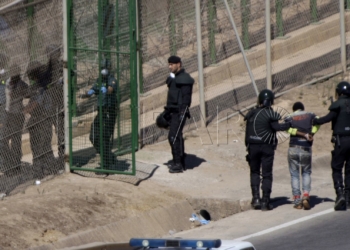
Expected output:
(339, 115)
(261, 142)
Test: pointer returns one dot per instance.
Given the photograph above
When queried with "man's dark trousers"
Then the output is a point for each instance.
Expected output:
(341, 155)
(261, 156)
(175, 137)
(108, 120)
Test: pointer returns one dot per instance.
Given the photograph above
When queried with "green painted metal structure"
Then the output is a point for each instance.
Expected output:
(100, 30)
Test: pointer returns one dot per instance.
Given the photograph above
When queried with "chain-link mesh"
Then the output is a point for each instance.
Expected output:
(101, 87)
(31, 90)
(305, 47)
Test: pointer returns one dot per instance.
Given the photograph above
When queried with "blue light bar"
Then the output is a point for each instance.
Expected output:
(192, 243)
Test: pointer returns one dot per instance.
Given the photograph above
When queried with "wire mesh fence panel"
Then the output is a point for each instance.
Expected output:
(101, 95)
(102, 69)
(306, 44)
(305, 47)
(32, 113)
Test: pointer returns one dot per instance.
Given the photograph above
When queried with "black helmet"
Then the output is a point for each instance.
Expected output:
(163, 119)
(266, 97)
(343, 88)
(105, 67)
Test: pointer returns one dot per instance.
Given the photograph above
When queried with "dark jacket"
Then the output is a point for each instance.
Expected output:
(179, 91)
(16, 91)
(262, 125)
(339, 114)
(302, 122)
(106, 100)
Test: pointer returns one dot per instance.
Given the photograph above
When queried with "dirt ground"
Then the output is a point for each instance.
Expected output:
(71, 203)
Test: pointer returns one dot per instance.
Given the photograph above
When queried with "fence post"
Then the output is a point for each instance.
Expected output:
(313, 11)
(67, 117)
(342, 35)
(172, 28)
(279, 18)
(268, 44)
(200, 64)
(241, 47)
(245, 15)
(212, 15)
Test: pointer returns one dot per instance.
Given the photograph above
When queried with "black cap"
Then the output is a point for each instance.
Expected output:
(174, 59)
(297, 106)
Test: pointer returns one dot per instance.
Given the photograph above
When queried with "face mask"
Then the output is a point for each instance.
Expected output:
(104, 72)
(2, 71)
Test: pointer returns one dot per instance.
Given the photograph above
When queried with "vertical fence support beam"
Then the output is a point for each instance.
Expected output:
(138, 70)
(100, 43)
(133, 81)
(268, 44)
(313, 11)
(117, 68)
(241, 47)
(65, 85)
(200, 64)
(245, 15)
(172, 28)
(342, 35)
(347, 5)
(212, 18)
(279, 18)
(31, 31)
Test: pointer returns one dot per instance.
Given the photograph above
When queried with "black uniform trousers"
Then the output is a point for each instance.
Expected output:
(108, 123)
(58, 122)
(13, 126)
(40, 137)
(175, 137)
(341, 155)
(261, 158)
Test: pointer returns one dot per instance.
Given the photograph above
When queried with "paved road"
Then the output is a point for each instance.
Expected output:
(327, 230)
(285, 227)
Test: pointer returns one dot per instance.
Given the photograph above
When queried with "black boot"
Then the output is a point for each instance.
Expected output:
(347, 198)
(265, 203)
(340, 203)
(256, 202)
(176, 167)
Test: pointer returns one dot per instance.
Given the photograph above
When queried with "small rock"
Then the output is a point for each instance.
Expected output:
(2, 196)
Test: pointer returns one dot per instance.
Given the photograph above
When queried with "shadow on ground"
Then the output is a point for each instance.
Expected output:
(191, 161)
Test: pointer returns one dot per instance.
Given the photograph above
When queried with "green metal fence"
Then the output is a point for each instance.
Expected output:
(103, 88)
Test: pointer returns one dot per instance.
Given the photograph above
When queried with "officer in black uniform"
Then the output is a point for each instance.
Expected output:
(16, 91)
(39, 125)
(55, 94)
(180, 85)
(339, 114)
(261, 142)
(107, 88)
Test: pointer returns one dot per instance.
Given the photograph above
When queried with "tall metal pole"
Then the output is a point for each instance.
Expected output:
(268, 45)
(65, 83)
(342, 35)
(241, 47)
(200, 64)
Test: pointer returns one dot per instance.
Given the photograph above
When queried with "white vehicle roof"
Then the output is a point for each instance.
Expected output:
(182, 244)
(169, 244)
